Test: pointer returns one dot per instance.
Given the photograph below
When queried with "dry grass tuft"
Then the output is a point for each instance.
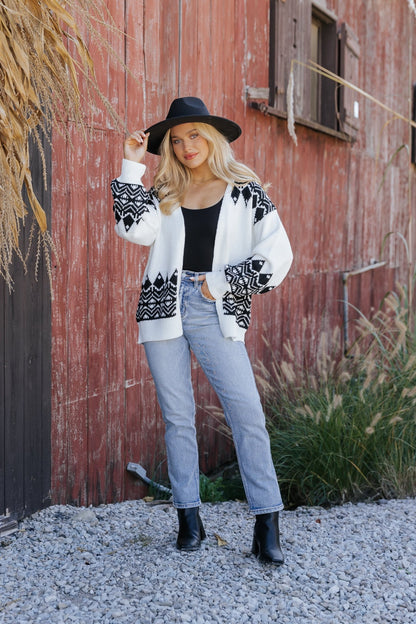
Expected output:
(43, 50)
(349, 431)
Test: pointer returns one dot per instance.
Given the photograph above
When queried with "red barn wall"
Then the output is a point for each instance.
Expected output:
(104, 410)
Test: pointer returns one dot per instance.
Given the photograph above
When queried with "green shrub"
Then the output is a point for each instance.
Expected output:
(347, 433)
(211, 491)
(221, 488)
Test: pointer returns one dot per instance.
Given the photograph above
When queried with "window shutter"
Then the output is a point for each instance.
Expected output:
(289, 39)
(349, 114)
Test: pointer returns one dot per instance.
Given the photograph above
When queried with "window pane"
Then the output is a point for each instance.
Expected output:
(315, 57)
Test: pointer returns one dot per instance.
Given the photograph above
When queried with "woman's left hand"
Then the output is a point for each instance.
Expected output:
(205, 290)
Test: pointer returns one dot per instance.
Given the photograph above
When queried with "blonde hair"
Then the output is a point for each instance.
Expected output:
(172, 179)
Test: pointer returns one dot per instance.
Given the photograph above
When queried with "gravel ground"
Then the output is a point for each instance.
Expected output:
(118, 563)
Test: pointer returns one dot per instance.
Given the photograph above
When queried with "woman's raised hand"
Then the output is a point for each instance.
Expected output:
(135, 146)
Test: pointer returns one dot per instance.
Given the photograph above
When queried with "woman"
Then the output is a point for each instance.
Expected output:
(215, 240)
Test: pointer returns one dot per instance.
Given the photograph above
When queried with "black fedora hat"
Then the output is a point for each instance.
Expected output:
(188, 109)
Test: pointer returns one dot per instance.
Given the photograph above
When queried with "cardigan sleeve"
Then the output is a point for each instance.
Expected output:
(271, 255)
(136, 210)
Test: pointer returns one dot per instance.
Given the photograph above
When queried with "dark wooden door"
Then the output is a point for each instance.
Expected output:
(25, 356)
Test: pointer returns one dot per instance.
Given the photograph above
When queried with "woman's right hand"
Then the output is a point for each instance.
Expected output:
(135, 146)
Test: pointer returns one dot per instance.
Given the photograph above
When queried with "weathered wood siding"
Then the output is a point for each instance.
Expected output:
(25, 363)
(104, 410)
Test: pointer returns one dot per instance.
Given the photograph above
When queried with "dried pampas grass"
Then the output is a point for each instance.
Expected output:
(43, 50)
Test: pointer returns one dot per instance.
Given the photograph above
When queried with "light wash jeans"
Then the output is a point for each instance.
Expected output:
(228, 369)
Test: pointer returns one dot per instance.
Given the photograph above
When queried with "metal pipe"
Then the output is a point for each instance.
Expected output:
(140, 472)
(345, 276)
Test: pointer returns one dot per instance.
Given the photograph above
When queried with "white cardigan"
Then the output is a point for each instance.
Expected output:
(252, 253)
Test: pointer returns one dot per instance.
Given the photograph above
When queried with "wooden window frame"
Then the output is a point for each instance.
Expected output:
(327, 90)
(288, 18)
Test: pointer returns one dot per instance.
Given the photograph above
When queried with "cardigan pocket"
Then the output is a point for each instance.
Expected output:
(239, 307)
(158, 299)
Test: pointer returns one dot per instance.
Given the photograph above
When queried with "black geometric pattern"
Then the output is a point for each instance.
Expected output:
(246, 278)
(240, 307)
(158, 299)
(131, 202)
(261, 203)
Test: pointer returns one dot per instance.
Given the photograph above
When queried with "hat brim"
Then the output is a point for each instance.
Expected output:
(228, 128)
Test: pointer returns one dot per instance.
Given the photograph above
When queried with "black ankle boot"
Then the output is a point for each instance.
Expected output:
(191, 529)
(266, 542)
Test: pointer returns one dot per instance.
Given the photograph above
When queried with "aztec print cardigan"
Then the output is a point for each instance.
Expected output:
(252, 254)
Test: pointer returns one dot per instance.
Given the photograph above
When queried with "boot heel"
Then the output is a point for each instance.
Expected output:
(255, 547)
(202, 530)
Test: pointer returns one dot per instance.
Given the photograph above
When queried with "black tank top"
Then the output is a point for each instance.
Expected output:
(200, 230)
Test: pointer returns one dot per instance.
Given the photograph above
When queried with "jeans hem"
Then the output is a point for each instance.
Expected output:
(257, 511)
(196, 503)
